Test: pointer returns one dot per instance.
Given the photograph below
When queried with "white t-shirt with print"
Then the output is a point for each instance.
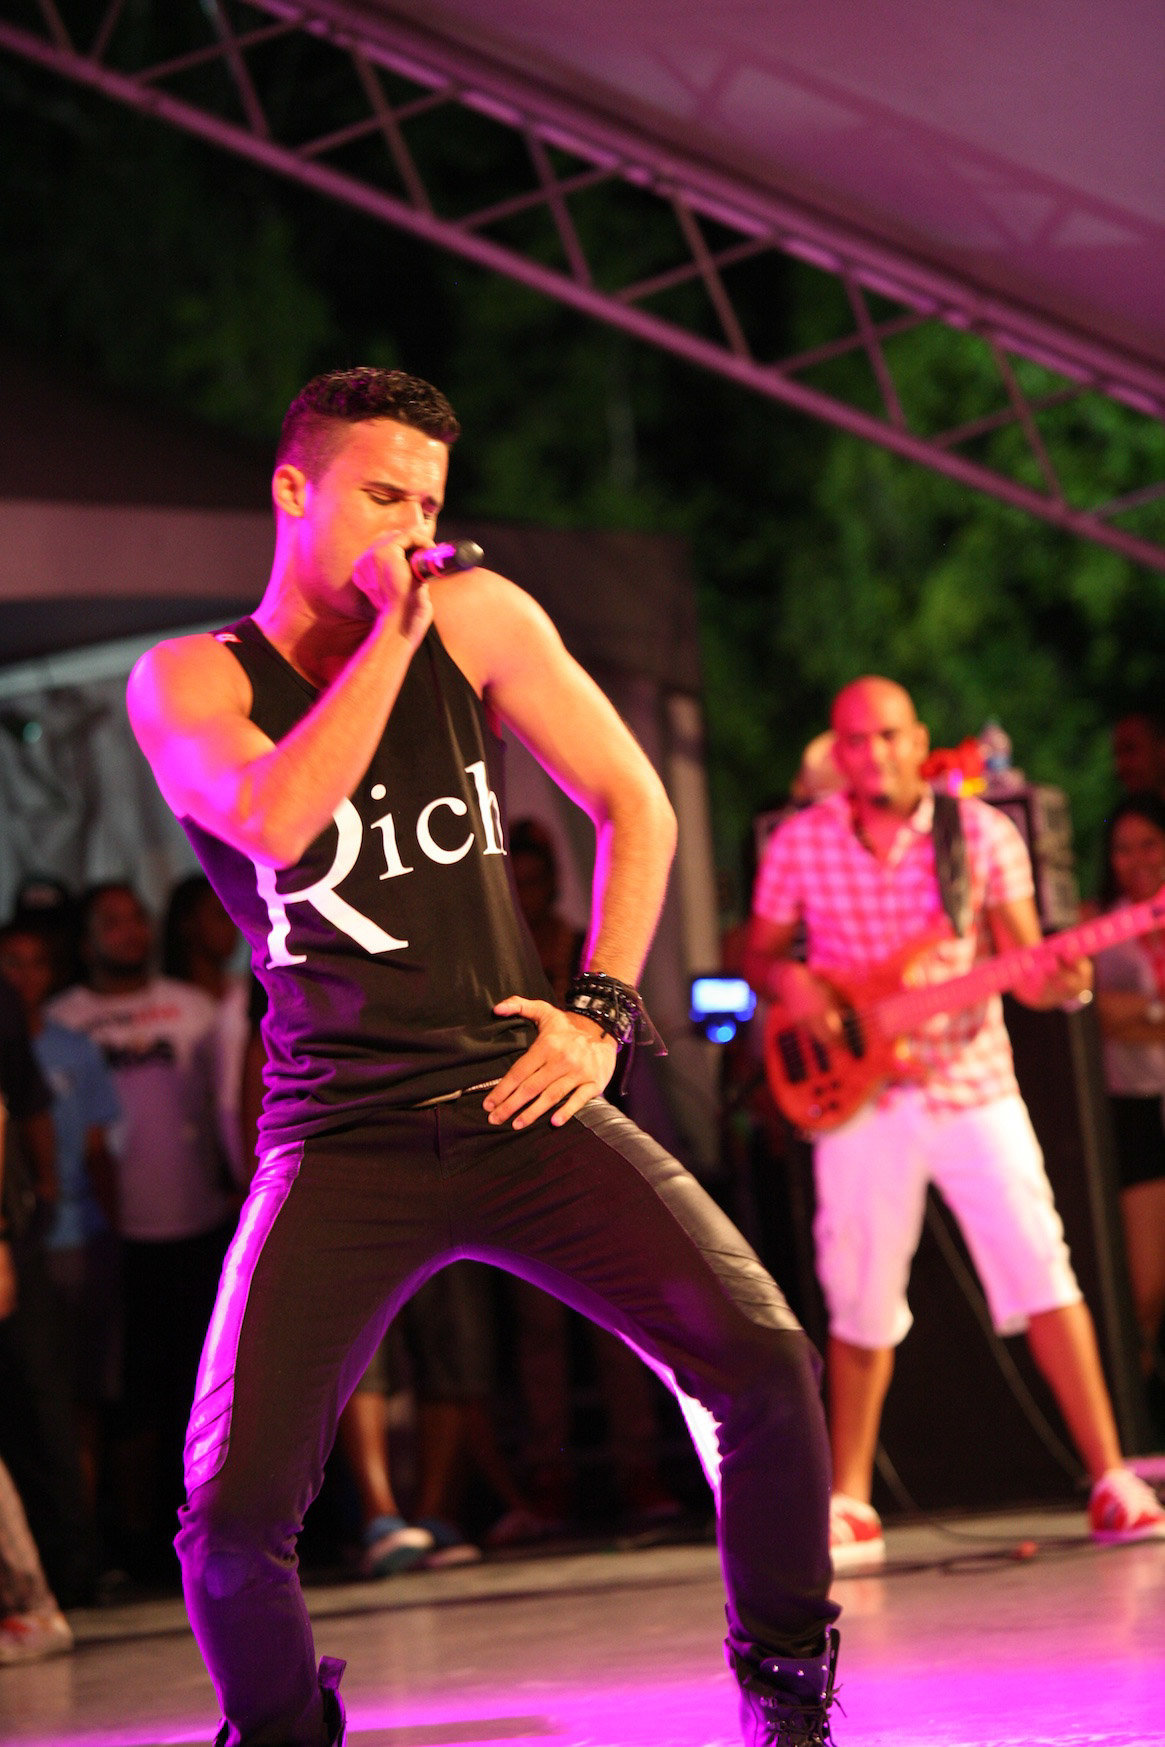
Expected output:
(159, 1044)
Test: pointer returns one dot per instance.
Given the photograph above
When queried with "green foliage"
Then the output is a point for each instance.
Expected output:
(134, 257)
(244, 338)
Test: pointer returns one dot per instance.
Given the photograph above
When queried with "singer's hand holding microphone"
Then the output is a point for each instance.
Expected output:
(445, 559)
(377, 573)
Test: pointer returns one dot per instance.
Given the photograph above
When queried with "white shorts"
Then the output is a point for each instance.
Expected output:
(872, 1177)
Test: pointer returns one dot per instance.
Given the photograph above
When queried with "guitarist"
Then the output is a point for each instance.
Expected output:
(855, 877)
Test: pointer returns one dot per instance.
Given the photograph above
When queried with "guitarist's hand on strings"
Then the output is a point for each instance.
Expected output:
(802, 997)
(805, 999)
(1068, 984)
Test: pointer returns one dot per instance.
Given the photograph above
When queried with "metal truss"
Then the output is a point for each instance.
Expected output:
(373, 85)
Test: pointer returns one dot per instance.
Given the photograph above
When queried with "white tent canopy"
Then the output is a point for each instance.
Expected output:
(1016, 146)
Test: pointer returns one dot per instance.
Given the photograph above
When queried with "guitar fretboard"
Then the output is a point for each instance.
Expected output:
(910, 1008)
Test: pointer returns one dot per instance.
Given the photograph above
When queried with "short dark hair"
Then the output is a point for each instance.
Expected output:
(1146, 805)
(313, 427)
(185, 898)
(20, 928)
(92, 896)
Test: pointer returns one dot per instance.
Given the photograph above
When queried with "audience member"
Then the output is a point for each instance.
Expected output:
(770, 1164)
(8, 1283)
(200, 945)
(389, 1542)
(534, 865)
(38, 1430)
(175, 1211)
(446, 1329)
(79, 1242)
(31, 1623)
(1138, 751)
(45, 903)
(544, 1324)
(1130, 999)
(445, 1333)
(199, 940)
(818, 774)
(29, 1101)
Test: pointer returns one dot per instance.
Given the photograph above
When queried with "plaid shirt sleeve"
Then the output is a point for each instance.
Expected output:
(1005, 859)
(777, 893)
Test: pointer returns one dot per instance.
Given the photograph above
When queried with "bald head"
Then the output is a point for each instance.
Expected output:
(872, 692)
(880, 744)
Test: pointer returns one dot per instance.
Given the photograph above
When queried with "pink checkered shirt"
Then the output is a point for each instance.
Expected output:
(858, 911)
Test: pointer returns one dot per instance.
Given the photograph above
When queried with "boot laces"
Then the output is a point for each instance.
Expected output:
(791, 1723)
(801, 1722)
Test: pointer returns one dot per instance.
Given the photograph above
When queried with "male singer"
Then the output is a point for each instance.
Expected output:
(335, 760)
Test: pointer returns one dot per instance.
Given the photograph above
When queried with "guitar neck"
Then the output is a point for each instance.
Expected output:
(910, 1008)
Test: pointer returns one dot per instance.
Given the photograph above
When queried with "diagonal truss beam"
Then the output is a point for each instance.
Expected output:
(718, 222)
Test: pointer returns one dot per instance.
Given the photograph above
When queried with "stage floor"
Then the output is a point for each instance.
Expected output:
(961, 1642)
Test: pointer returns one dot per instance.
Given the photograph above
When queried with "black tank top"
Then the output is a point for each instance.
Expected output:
(384, 949)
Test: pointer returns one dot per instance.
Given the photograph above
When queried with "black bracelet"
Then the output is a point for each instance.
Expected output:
(616, 1007)
(605, 1008)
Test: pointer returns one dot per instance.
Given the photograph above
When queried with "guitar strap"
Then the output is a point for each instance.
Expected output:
(950, 862)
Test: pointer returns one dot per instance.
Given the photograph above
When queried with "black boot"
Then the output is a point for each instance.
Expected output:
(336, 1723)
(785, 1700)
(331, 1669)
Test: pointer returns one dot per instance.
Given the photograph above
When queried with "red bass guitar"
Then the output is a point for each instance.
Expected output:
(818, 1086)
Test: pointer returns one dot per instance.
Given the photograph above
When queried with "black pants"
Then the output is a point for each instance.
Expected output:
(337, 1232)
(168, 1293)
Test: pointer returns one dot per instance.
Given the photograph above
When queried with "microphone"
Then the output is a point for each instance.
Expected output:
(445, 560)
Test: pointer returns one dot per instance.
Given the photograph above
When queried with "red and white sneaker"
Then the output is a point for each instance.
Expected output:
(29, 1637)
(855, 1535)
(1123, 1508)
